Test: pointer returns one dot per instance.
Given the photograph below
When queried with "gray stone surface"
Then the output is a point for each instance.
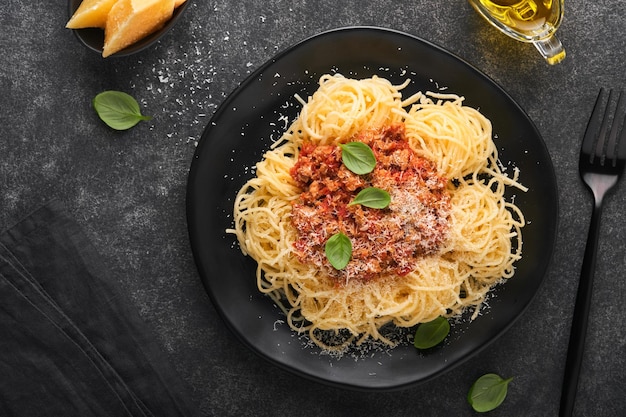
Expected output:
(128, 189)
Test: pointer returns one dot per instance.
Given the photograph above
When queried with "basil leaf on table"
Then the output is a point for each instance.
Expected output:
(338, 250)
(372, 197)
(358, 157)
(488, 392)
(432, 333)
(120, 111)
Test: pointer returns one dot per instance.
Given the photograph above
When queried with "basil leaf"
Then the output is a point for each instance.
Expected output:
(338, 250)
(488, 392)
(118, 110)
(372, 197)
(432, 333)
(358, 157)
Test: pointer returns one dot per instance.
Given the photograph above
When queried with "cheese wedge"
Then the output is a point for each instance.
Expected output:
(91, 14)
(131, 20)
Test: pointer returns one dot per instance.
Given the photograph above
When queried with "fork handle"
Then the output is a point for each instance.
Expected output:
(581, 316)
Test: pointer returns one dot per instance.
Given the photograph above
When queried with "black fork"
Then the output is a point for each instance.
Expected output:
(601, 164)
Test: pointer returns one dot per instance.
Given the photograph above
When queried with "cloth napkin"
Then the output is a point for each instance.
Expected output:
(70, 343)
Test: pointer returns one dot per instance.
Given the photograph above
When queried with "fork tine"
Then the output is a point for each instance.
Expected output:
(601, 138)
(620, 147)
(611, 149)
(594, 124)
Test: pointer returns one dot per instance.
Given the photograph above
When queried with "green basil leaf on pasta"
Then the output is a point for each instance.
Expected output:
(338, 250)
(432, 333)
(358, 157)
(120, 111)
(488, 392)
(372, 197)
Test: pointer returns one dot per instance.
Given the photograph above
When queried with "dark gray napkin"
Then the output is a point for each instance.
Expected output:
(70, 343)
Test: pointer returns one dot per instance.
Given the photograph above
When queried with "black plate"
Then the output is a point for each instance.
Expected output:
(253, 115)
(93, 38)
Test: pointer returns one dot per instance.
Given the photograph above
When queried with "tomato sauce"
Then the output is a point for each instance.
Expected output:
(385, 241)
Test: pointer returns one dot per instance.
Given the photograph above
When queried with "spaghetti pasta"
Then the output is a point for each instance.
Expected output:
(480, 238)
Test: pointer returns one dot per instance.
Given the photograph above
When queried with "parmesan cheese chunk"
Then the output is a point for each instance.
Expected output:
(131, 20)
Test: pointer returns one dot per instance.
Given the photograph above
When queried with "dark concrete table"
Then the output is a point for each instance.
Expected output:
(128, 189)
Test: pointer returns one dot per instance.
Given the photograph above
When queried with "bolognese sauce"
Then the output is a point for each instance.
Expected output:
(385, 241)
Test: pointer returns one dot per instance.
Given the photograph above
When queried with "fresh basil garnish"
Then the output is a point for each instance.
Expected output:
(338, 250)
(118, 110)
(432, 333)
(488, 392)
(358, 157)
(372, 197)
